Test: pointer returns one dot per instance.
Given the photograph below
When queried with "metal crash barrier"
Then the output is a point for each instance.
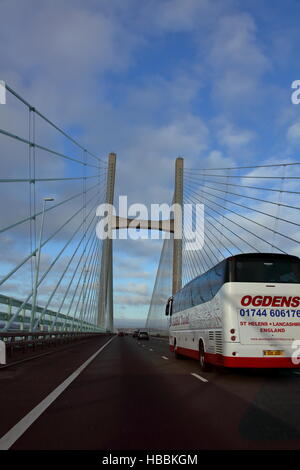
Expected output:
(20, 341)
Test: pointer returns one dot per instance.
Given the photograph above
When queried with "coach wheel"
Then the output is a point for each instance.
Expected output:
(204, 365)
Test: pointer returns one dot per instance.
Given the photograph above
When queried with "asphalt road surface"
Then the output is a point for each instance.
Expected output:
(136, 395)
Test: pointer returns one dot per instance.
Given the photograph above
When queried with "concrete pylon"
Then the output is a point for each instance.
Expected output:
(178, 211)
(105, 301)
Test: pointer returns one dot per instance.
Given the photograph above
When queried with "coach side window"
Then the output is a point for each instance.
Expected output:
(218, 277)
(185, 298)
(206, 286)
(196, 291)
(188, 297)
(175, 303)
(178, 302)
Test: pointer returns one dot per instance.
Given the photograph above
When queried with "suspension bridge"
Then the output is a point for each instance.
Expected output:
(57, 286)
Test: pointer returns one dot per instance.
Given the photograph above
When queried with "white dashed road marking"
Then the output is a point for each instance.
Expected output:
(199, 377)
(16, 431)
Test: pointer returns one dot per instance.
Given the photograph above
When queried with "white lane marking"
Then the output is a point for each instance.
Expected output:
(199, 377)
(16, 431)
(150, 349)
(166, 358)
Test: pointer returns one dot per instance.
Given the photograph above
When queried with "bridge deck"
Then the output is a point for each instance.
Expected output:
(135, 395)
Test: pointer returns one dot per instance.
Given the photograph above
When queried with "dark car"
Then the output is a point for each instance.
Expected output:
(143, 335)
(135, 333)
(120, 333)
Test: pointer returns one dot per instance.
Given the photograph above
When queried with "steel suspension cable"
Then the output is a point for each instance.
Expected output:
(257, 188)
(221, 232)
(93, 245)
(62, 275)
(288, 206)
(54, 206)
(94, 239)
(3, 280)
(253, 221)
(37, 112)
(92, 267)
(225, 227)
(45, 274)
(96, 247)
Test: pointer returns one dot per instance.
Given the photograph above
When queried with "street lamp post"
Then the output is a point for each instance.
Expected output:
(34, 298)
(83, 306)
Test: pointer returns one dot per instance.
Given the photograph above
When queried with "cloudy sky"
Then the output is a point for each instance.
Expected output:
(151, 80)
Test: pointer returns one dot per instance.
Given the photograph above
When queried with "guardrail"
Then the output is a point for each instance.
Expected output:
(24, 341)
(23, 319)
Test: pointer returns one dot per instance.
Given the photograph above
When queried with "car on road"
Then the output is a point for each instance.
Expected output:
(120, 333)
(143, 335)
(135, 333)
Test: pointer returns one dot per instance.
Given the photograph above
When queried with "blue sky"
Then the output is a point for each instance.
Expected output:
(150, 80)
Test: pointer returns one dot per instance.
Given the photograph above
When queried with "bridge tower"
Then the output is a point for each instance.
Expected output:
(105, 300)
(173, 225)
(178, 211)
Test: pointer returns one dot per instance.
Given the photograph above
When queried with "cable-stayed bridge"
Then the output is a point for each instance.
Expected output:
(51, 253)
(51, 186)
(110, 392)
(247, 209)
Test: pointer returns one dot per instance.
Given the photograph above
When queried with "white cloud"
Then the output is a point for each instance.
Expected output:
(160, 99)
(216, 159)
(178, 16)
(64, 58)
(132, 294)
(62, 37)
(234, 138)
(133, 288)
(132, 300)
(174, 15)
(236, 59)
(293, 133)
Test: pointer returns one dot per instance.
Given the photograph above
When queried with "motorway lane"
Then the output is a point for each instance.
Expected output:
(130, 397)
(23, 386)
(272, 416)
(272, 396)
